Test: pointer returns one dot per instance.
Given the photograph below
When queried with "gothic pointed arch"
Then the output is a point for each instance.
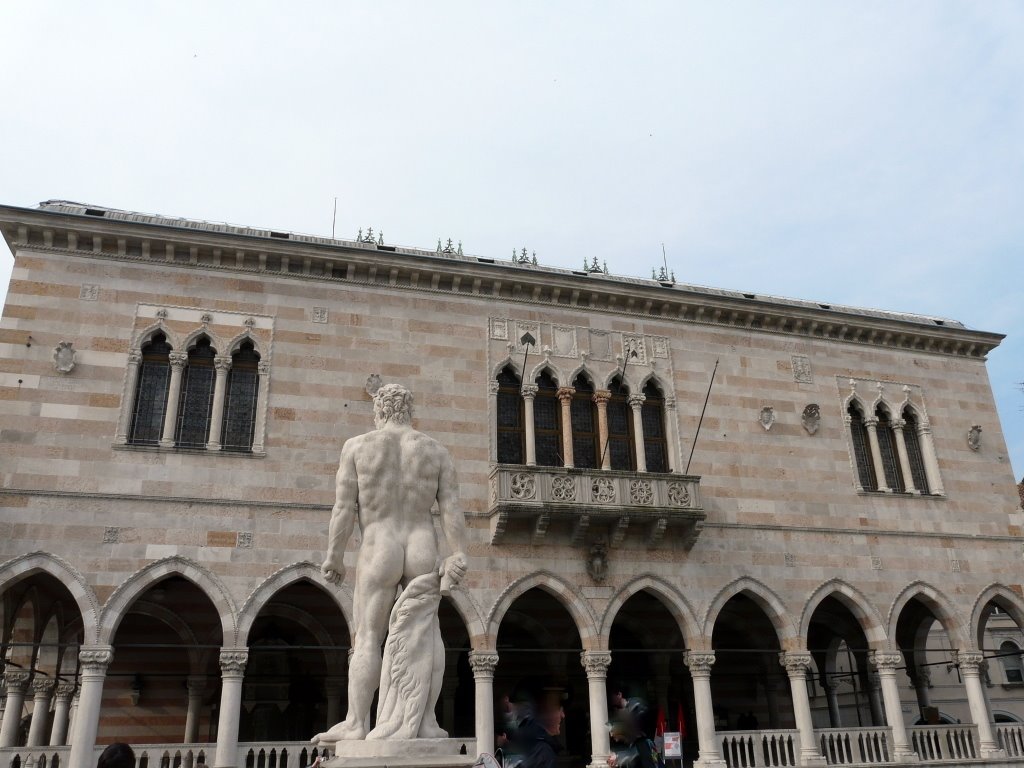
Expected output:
(25, 566)
(766, 599)
(868, 617)
(146, 335)
(667, 594)
(552, 370)
(508, 362)
(193, 337)
(937, 603)
(561, 590)
(236, 342)
(1001, 595)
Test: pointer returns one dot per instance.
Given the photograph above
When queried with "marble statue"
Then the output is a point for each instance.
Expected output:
(388, 481)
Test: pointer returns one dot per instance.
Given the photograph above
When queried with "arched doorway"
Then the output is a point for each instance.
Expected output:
(844, 692)
(930, 670)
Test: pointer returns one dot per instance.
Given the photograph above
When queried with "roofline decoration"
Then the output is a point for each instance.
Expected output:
(124, 235)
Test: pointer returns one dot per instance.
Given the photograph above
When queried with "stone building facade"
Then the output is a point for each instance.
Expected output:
(174, 395)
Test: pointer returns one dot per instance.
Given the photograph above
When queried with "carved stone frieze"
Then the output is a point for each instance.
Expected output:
(563, 488)
(603, 490)
(678, 494)
(522, 486)
(641, 492)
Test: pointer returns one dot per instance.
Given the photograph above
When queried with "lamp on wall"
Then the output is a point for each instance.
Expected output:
(136, 689)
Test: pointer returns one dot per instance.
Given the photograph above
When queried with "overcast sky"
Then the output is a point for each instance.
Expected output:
(866, 153)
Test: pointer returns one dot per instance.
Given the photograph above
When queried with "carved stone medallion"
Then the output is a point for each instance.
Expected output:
(811, 418)
(974, 438)
(767, 417)
(64, 357)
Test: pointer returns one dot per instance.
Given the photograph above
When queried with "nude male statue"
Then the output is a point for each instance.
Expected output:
(390, 479)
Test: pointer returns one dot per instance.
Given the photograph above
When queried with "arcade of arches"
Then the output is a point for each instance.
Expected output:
(173, 663)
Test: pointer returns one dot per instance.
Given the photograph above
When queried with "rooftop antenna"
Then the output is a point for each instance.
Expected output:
(334, 218)
(664, 258)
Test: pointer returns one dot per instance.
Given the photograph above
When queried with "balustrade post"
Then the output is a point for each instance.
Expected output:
(529, 393)
(61, 712)
(232, 668)
(871, 424)
(797, 664)
(636, 403)
(17, 685)
(565, 398)
(699, 664)
(596, 665)
(221, 365)
(969, 663)
(93, 661)
(130, 383)
(42, 687)
(178, 361)
(901, 451)
(887, 662)
(483, 664)
(601, 398)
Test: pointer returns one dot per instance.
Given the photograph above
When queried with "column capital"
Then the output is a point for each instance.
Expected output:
(222, 362)
(65, 690)
(134, 357)
(596, 663)
(177, 359)
(95, 658)
(565, 394)
(670, 402)
(795, 662)
(196, 684)
(924, 428)
(42, 686)
(233, 661)
(17, 679)
(969, 661)
(871, 422)
(636, 400)
(898, 424)
(699, 662)
(886, 660)
(529, 391)
(602, 396)
(263, 369)
(483, 663)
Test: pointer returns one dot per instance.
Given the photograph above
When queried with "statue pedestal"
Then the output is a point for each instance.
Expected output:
(403, 753)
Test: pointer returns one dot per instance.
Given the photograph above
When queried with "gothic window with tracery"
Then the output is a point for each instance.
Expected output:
(151, 392)
(195, 403)
(547, 422)
(241, 396)
(584, 424)
(887, 448)
(652, 417)
(861, 451)
(621, 447)
(511, 434)
(914, 455)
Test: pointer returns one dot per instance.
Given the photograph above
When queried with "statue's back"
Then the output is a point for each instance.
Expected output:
(397, 470)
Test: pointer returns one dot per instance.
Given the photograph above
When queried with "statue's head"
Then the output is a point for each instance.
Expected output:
(392, 403)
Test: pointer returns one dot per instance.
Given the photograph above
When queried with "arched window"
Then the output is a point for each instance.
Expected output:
(914, 456)
(511, 436)
(196, 401)
(1009, 657)
(887, 448)
(584, 424)
(151, 392)
(861, 452)
(241, 395)
(547, 422)
(621, 448)
(652, 416)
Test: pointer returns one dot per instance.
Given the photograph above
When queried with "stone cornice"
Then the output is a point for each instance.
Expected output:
(130, 236)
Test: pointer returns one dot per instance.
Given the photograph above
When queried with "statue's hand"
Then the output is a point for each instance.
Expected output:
(333, 572)
(454, 567)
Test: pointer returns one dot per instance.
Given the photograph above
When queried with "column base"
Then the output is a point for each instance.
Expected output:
(711, 762)
(166, 443)
(991, 752)
(814, 759)
(906, 755)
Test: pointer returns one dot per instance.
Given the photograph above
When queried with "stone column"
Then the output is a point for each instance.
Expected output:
(901, 451)
(130, 384)
(797, 664)
(834, 718)
(636, 402)
(333, 688)
(449, 685)
(969, 663)
(232, 672)
(483, 664)
(17, 684)
(221, 366)
(93, 661)
(596, 665)
(529, 392)
(178, 361)
(874, 689)
(931, 463)
(675, 464)
(699, 664)
(887, 662)
(565, 398)
(876, 453)
(61, 712)
(771, 692)
(196, 687)
(920, 678)
(42, 687)
(259, 434)
(601, 398)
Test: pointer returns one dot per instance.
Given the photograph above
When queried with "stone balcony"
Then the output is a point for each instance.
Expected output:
(544, 502)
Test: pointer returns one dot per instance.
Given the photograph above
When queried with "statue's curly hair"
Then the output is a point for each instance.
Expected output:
(392, 403)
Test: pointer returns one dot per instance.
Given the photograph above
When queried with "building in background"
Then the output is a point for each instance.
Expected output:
(789, 526)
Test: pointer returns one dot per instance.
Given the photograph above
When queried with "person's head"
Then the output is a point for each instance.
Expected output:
(117, 755)
(550, 717)
(392, 404)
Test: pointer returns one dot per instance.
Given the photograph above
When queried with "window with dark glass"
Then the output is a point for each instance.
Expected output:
(151, 392)
(621, 448)
(511, 435)
(652, 416)
(913, 441)
(196, 402)
(547, 422)
(1009, 657)
(240, 396)
(887, 448)
(859, 435)
(584, 424)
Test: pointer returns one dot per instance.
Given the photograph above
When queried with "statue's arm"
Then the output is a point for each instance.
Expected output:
(453, 522)
(343, 516)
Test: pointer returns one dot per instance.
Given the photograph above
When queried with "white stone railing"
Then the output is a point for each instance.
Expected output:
(285, 754)
(848, 746)
(937, 743)
(760, 749)
(1010, 737)
(172, 755)
(34, 757)
(651, 501)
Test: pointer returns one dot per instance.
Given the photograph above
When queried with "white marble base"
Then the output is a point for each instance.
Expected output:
(403, 753)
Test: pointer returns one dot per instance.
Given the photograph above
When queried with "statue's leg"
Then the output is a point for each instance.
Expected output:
(378, 571)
